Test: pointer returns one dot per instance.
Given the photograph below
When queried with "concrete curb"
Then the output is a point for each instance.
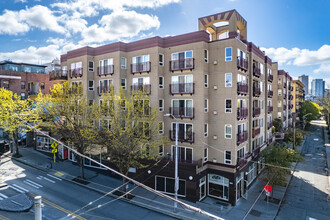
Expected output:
(152, 208)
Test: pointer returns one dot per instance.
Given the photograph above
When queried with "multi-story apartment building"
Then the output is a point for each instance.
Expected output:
(298, 95)
(217, 84)
(24, 79)
(283, 98)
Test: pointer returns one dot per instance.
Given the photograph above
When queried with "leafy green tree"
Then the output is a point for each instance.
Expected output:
(278, 159)
(310, 110)
(278, 124)
(129, 130)
(288, 137)
(70, 117)
(14, 113)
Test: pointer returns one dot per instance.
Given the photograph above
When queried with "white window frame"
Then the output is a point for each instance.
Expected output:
(206, 81)
(228, 84)
(185, 128)
(206, 132)
(206, 105)
(161, 63)
(161, 86)
(206, 56)
(185, 152)
(227, 161)
(123, 87)
(231, 109)
(162, 152)
(185, 54)
(123, 65)
(161, 131)
(91, 88)
(180, 195)
(228, 58)
(206, 157)
(231, 134)
(161, 108)
(91, 69)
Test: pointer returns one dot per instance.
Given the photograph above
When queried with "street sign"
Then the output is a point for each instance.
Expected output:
(54, 150)
(268, 188)
(54, 145)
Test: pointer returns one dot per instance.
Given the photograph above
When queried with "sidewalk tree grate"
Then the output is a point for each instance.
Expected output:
(255, 213)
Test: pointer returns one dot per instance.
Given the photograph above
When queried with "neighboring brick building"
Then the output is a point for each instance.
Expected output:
(25, 83)
(218, 85)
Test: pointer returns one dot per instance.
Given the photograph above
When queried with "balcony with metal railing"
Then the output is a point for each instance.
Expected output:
(102, 89)
(256, 71)
(270, 109)
(242, 113)
(78, 72)
(290, 97)
(145, 88)
(270, 78)
(58, 75)
(183, 136)
(182, 112)
(140, 67)
(242, 88)
(182, 88)
(182, 64)
(242, 137)
(255, 131)
(243, 161)
(242, 63)
(256, 111)
(269, 125)
(105, 70)
(270, 93)
(256, 91)
(284, 107)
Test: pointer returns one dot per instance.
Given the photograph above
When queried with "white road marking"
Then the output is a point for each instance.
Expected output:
(18, 190)
(33, 184)
(315, 139)
(37, 184)
(54, 177)
(39, 178)
(21, 188)
(3, 196)
(45, 178)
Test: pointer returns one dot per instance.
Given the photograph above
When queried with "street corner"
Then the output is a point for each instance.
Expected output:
(17, 203)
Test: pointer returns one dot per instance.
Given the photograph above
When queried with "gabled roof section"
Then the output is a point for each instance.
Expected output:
(225, 16)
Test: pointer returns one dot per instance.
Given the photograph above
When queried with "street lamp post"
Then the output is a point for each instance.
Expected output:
(176, 175)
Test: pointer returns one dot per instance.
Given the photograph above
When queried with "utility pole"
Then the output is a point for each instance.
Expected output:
(176, 172)
(38, 208)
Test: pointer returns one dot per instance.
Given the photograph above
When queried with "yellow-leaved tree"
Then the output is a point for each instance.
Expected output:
(70, 118)
(14, 114)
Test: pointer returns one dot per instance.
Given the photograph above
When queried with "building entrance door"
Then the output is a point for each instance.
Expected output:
(202, 188)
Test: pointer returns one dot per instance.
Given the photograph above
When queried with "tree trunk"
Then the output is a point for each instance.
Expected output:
(81, 164)
(16, 144)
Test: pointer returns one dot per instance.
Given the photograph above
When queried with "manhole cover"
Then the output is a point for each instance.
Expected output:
(255, 213)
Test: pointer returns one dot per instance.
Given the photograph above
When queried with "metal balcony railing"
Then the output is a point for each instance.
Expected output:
(140, 67)
(78, 72)
(105, 70)
(270, 109)
(256, 91)
(183, 136)
(255, 131)
(182, 88)
(182, 64)
(182, 112)
(242, 137)
(58, 75)
(256, 111)
(270, 77)
(145, 88)
(242, 113)
(256, 71)
(242, 63)
(270, 93)
(242, 88)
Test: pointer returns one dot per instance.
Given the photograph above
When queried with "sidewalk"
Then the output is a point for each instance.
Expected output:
(104, 183)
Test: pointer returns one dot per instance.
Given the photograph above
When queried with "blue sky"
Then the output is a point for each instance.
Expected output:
(296, 33)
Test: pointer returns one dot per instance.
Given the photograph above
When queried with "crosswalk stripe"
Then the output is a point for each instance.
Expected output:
(30, 184)
(21, 188)
(1, 198)
(39, 178)
(54, 177)
(4, 196)
(14, 188)
(45, 178)
(30, 181)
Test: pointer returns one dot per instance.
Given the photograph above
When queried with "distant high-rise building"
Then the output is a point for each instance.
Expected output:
(318, 86)
(304, 80)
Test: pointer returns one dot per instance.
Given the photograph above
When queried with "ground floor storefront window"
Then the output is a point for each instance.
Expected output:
(166, 185)
(218, 186)
(252, 173)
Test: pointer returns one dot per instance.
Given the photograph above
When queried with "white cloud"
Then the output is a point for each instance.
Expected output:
(11, 25)
(324, 68)
(16, 22)
(120, 24)
(33, 54)
(22, 1)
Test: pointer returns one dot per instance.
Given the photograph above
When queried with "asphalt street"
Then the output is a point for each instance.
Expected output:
(62, 199)
(307, 193)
